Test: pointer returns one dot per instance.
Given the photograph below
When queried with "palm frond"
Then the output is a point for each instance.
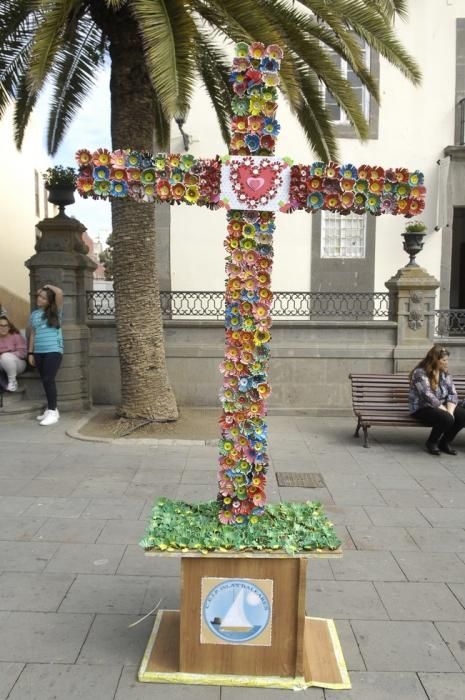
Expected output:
(73, 74)
(214, 70)
(159, 42)
(162, 125)
(26, 100)
(48, 39)
(314, 119)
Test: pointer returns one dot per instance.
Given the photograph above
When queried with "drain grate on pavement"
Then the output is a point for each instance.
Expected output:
(300, 480)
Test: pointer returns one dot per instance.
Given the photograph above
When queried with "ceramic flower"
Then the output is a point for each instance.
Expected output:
(147, 176)
(85, 185)
(347, 200)
(102, 188)
(136, 191)
(253, 77)
(237, 141)
(373, 203)
(377, 173)
(331, 201)
(133, 174)
(416, 178)
(314, 184)
(361, 185)
(315, 200)
(256, 50)
(226, 517)
(402, 190)
(101, 172)
(275, 52)
(178, 190)
(160, 161)
(317, 169)
(364, 172)
(417, 191)
(163, 189)
(241, 64)
(360, 199)
(347, 185)
(348, 172)
(271, 79)
(255, 124)
(388, 204)
(239, 123)
(271, 126)
(261, 337)
(415, 206)
(255, 106)
(119, 188)
(269, 65)
(240, 105)
(118, 173)
(132, 159)
(332, 170)
(118, 158)
(83, 157)
(402, 175)
(101, 157)
(376, 186)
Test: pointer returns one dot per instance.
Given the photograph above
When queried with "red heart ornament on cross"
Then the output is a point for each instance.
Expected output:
(255, 182)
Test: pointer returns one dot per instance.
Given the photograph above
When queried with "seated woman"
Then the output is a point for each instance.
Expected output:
(433, 401)
(13, 352)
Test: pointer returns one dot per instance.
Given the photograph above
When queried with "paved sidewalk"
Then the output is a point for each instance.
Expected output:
(72, 577)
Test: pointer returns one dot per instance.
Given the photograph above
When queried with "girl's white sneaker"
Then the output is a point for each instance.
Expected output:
(51, 417)
(42, 415)
(12, 385)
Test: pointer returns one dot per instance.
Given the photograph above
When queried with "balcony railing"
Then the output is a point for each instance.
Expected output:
(449, 322)
(335, 306)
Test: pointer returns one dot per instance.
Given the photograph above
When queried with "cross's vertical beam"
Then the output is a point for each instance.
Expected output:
(243, 459)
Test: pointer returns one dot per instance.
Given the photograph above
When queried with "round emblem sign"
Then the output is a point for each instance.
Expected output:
(236, 611)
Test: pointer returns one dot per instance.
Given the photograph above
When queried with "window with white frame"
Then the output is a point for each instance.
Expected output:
(343, 236)
(338, 116)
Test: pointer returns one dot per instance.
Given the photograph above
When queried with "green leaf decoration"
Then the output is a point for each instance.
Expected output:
(292, 527)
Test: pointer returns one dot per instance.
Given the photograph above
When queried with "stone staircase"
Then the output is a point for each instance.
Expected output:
(27, 401)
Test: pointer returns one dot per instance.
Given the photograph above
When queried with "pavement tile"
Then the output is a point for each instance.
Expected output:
(269, 693)
(19, 528)
(366, 566)
(442, 483)
(459, 590)
(69, 530)
(357, 497)
(42, 637)
(114, 508)
(15, 505)
(25, 556)
(129, 688)
(86, 558)
(347, 515)
(453, 633)
(345, 537)
(402, 646)
(56, 488)
(395, 517)
(121, 532)
(392, 481)
(384, 538)
(58, 507)
(46, 682)
(158, 476)
(450, 498)
(443, 686)
(421, 566)
(440, 539)
(350, 650)
(12, 487)
(33, 592)
(199, 476)
(163, 592)
(111, 640)
(381, 686)
(299, 495)
(444, 517)
(196, 494)
(152, 491)
(136, 562)
(400, 498)
(351, 481)
(9, 673)
(106, 594)
(344, 600)
(319, 569)
(100, 486)
(419, 601)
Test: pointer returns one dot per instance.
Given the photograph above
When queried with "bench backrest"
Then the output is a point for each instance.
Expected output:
(388, 390)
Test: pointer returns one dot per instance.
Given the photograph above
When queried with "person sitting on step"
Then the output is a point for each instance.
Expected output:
(12, 352)
(433, 401)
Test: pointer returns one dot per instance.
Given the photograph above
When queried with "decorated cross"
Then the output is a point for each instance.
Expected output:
(251, 184)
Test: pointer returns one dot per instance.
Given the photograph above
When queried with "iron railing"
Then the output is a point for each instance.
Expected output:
(336, 306)
(449, 322)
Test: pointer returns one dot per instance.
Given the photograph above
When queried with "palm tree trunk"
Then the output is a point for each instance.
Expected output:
(145, 386)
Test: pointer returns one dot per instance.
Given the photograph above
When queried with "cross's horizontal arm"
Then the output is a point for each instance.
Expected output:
(249, 182)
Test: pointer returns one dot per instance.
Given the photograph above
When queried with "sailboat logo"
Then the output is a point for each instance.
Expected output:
(236, 610)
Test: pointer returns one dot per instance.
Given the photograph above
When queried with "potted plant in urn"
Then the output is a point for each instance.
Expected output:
(413, 236)
(60, 182)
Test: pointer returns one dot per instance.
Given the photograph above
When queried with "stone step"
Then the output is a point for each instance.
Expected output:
(23, 409)
(12, 398)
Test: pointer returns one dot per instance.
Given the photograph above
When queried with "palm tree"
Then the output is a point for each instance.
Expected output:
(158, 48)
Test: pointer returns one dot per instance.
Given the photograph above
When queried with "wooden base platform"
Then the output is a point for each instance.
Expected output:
(324, 664)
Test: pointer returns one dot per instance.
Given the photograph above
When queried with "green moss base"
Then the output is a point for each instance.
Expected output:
(292, 527)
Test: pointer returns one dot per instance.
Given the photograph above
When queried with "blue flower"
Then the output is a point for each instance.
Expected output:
(348, 172)
(119, 188)
(271, 126)
(101, 172)
(315, 200)
(243, 384)
(252, 141)
(269, 64)
(133, 159)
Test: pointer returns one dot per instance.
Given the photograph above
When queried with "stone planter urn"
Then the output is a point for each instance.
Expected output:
(413, 244)
(61, 195)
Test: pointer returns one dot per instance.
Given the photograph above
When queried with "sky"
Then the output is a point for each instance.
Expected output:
(90, 129)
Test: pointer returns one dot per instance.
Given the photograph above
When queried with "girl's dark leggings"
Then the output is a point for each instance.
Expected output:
(47, 364)
(441, 422)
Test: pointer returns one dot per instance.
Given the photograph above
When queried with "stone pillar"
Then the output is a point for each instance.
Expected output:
(413, 292)
(61, 259)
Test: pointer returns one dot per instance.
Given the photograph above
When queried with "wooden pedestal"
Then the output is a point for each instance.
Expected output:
(288, 650)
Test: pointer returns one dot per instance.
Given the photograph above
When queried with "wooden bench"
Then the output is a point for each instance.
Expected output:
(382, 399)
